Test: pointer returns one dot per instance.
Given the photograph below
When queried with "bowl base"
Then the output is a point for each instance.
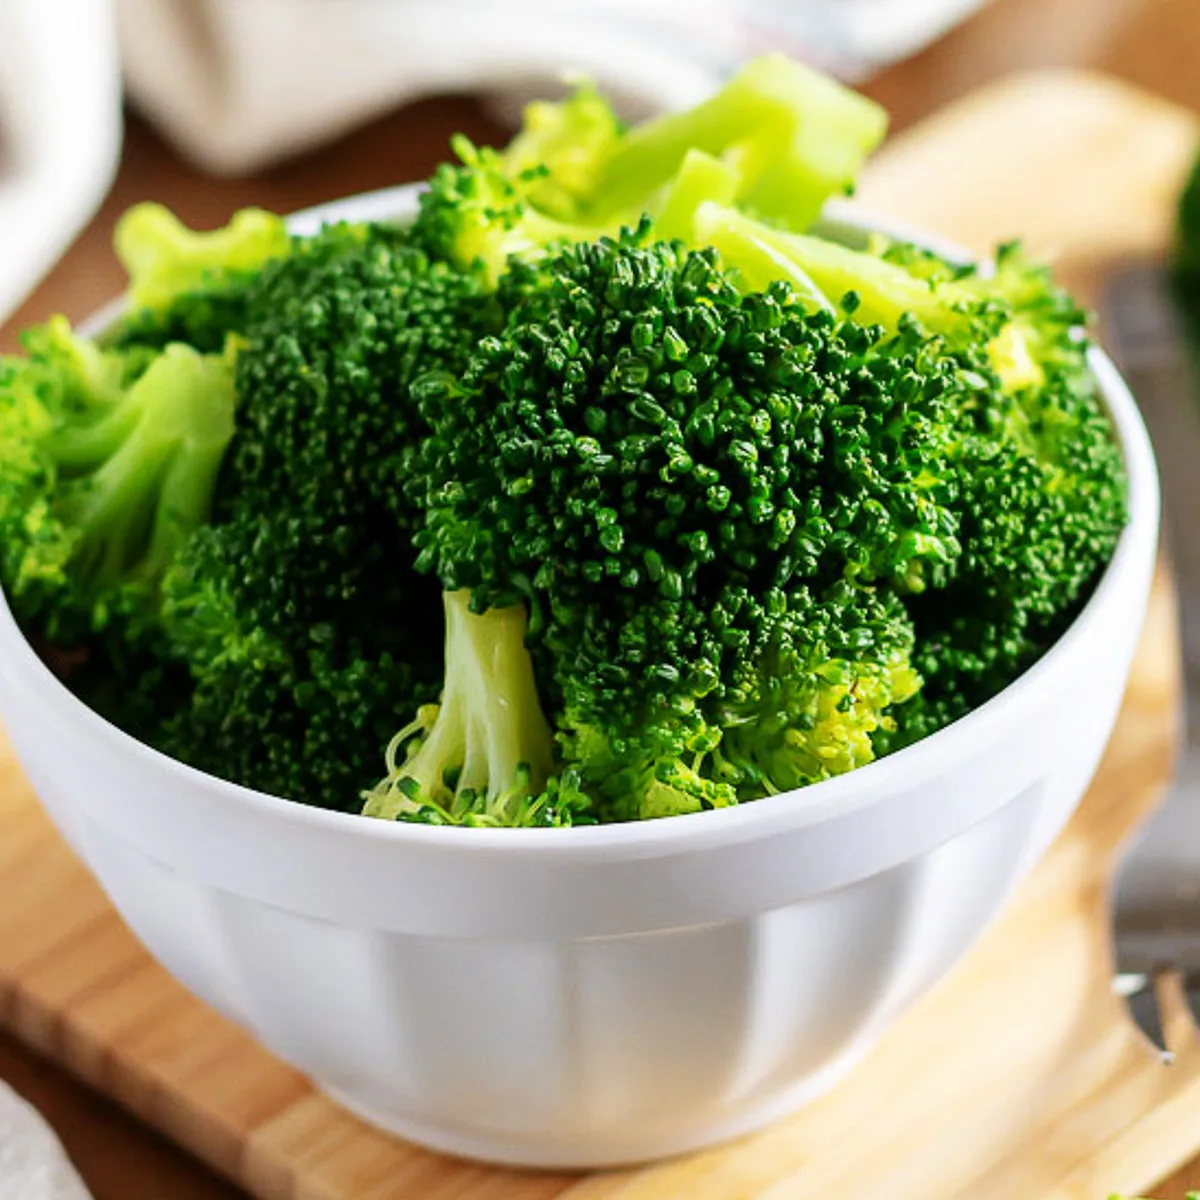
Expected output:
(595, 1151)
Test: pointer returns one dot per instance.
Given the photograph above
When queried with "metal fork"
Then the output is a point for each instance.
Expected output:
(1156, 900)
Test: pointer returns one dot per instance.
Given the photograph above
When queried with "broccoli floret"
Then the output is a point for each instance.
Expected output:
(186, 285)
(640, 457)
(786, 138)
(110, 463)
(1043, 502)
(298, 611)
(561, 148)
(1031, 469)
(789, 137)
(484, 755)
(481, 212)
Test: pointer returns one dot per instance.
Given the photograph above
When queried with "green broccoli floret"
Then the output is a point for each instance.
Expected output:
(109, 465)
(560, 150)
(298, 611)
(186, 285)
(785, 139)
(1031, 465)
(657, 466)
(481, 212)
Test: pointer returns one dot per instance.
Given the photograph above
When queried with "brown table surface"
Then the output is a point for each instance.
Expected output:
(1155, 43)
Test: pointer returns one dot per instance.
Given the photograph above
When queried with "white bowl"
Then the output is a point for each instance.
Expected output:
(592, 996)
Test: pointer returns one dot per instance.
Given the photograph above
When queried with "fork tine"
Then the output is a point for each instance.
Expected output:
(1140, 995)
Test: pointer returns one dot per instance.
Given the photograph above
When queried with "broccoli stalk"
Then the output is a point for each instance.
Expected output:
(791, 137)
(484, 754)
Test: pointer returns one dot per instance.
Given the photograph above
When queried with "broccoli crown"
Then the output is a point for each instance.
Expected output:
(1031, 474)
(1043, 499)
(186, 285)
(644, 454)
(109, 465)
(297, 609)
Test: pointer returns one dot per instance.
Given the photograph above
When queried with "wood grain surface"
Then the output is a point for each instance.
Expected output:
(1155, 42)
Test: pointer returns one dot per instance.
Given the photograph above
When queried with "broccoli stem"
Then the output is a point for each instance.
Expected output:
(794, 137)
(824, 271)
(488, 738)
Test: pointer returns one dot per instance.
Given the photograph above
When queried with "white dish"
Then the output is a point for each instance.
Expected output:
(592, 996)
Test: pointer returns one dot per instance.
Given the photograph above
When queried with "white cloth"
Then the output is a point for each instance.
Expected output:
(239, 83)
(33, 1164)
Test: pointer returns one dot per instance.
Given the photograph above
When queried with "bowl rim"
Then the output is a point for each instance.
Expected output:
(827, 800)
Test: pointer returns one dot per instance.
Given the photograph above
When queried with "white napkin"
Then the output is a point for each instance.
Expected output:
(237, 84)
(33, 1164)
(240, 83)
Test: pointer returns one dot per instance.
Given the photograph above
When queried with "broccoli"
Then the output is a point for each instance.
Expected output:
(298, 611)
(560, 148)
(481, 213)
(109, 464)
(188, 286)
(788, 138)
(641, 458)
(614, 486)
(1032, 462)
(485, 754)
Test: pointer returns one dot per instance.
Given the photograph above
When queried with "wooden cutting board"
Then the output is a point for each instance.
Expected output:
(1017, 1077)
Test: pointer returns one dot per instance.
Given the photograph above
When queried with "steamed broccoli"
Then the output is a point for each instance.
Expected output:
(612, 483)
(1031, 465)
(788, 138)
(304, 625)
(109, 464)
(642, 458)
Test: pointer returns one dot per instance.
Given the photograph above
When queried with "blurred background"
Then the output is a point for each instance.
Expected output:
(236, 86)
(209, 105)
